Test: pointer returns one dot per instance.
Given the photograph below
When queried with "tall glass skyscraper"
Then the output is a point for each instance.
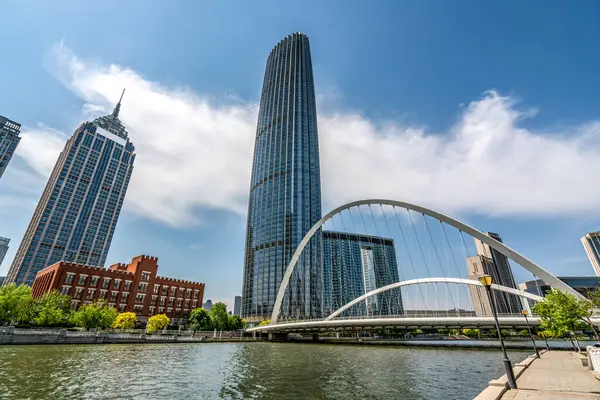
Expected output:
(591, 244)
(9, 139)
(77, 214)
(4, 241)
(285, 189)
(355, 264)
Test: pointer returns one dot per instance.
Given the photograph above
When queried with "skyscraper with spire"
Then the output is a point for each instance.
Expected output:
(285, 189)
(76, 217)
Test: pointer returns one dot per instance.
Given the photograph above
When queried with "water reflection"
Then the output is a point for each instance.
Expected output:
(244, 371)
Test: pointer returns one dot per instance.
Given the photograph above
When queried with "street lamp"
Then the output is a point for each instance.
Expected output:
(537, 353)
(486, 281)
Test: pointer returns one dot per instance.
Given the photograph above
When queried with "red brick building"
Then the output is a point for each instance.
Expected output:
(133, 287)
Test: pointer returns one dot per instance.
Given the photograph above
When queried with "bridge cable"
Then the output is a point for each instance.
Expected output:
(399, 268)
(465, 289)
(412, 264)
(438, 257)
(421, 249)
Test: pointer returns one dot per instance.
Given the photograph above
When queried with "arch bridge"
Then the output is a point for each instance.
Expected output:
(452, 316)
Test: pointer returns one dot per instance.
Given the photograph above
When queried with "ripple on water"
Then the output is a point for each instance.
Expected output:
(244, 371)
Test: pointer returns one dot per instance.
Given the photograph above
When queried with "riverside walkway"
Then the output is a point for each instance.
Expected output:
(557, 375)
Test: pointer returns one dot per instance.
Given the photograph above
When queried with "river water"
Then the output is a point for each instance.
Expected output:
(245, 371)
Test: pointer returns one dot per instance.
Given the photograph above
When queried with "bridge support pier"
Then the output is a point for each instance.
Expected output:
(315, 337)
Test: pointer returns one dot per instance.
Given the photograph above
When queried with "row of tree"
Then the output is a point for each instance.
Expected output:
(18, 307)
(217, 318)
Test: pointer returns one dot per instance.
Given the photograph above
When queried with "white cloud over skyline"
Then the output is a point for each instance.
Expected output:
(194, 153)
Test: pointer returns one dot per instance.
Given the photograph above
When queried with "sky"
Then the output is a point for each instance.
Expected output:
(486, 112)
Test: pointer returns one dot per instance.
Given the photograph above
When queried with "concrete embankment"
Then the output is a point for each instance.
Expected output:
(13, 336)
(458, 344)
(555, 375)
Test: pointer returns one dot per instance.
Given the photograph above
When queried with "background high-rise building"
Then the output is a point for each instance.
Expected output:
(285, 188)
(355, 264)
(237, 305)
(9, 139)
(208, 305)
(491, 262)
(79, 208)
(591, 244)
(3, 247)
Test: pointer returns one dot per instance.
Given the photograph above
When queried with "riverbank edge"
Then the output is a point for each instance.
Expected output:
(520, 345)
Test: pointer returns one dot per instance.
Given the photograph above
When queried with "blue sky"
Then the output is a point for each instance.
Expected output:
(409, 78)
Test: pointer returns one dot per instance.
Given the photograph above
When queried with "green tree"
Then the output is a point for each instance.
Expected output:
(52, 309)
(95, 315)
(562, 313)
(471, 332)
(157, 322)
(15, 304)
(125, 320)
(236, 322)
(200, 320)
(265, 322)
(219, 317)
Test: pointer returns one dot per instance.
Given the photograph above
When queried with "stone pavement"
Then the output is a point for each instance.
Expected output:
(556, 375)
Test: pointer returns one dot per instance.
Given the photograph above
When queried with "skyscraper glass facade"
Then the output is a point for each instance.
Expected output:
(79, 208)
(3, 248)
(9, 139)
(591, 244)
(356, 264)
(285, 189)
(496, 265)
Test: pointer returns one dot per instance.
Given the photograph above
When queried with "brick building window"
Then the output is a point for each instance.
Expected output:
(139, 298)
(188, 292)
(156, 289)
(142, 287)
(122, 307)
(77, 294)
(162, 300)
(113, 296)
(138, 309)
(171, 301)
(187, 303)
(179, 301)
(165, 289)
(91, 293)
(152, 309)
(102, 295)
(195, 304)
(161, 310)
(94, 281)
(65, 290)
(105, 283)
(181, 291)
(145, 276)
(127, 286)
(124, 297)
(153, 301)
(173, 291)
(117, 284)
(69, 278)
(82, 280)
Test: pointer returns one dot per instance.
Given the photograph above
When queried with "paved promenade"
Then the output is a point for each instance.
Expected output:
(557, 375)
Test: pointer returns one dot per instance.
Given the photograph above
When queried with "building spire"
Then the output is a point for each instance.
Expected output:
(115, 112)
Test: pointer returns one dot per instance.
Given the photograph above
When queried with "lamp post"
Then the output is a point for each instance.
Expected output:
(537, 353)
(486, 281)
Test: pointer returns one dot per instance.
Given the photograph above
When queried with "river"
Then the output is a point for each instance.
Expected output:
(245, 371)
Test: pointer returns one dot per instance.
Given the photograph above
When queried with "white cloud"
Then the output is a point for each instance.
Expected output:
(194, 152)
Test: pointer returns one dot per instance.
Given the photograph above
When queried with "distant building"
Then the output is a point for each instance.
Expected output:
(208, 305)
(133, 287)
(3, 248)
(591, 244)
(355, 264)
(491, 262)
(78, 211)
(1, 280)
(582, 284)
(9, 139)
(237, 304)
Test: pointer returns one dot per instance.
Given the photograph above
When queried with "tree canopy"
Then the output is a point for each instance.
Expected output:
(52, 309)
(220, 319)
(126, 320)
(157, 322)
(264, 322)
(15, 304)
(236, 322)
(562, 313)
(95, 315)
(200, 320)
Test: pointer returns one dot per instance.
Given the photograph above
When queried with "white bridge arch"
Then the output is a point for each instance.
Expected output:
(431, 280)
(494, 244)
